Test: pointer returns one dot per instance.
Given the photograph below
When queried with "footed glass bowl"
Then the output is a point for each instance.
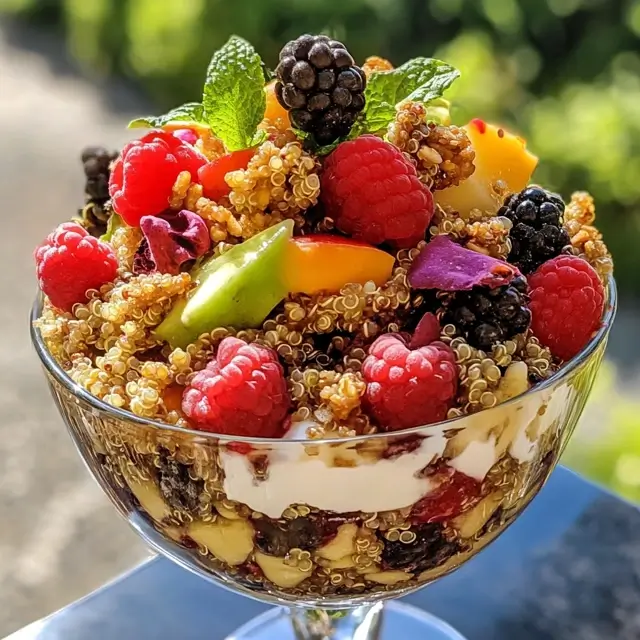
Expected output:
(330, 528)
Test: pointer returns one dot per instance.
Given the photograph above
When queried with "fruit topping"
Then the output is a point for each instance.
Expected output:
(537, 234)
(212, 175)
(442, 154)
(143, 176)
(96, 163)
(327, 262)
(442, 264)
(485, 316)
(241, 392)
(321, 87)
(186, 135)
(408, 388)
(502, 164)
(453, 493)
(236, 289)
(567, 301)
(173, 238)
(373, 193)
(70, 262)
(429, 549)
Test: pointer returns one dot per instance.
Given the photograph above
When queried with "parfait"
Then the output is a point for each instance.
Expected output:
(324, 343)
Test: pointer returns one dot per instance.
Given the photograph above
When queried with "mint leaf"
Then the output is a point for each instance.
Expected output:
(190, 112)
(234, 100)
(420, 80)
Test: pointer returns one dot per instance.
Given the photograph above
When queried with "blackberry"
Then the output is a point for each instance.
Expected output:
(176, 485)
(96, 162)
(306, 533)
(430, 549)
(321, 87)
(537, 234)
(485, 316)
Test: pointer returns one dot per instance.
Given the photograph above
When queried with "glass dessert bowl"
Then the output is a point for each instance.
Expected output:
(323, 352)
(335, 523)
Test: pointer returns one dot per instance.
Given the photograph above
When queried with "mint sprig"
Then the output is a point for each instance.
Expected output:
(190, 112)
(419, 80)
(234, 100)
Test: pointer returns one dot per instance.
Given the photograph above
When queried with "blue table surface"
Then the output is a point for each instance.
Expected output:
(568, 569)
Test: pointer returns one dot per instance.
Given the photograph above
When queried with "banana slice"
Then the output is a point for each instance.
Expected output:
(469, 523)
(389, 577)
(228, 540)
(343, 544)
(147, 494)
(279, 573)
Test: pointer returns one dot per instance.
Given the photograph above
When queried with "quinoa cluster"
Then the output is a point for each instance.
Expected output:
(109, 346)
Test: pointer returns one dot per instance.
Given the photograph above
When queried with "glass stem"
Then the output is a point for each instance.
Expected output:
(361, 623)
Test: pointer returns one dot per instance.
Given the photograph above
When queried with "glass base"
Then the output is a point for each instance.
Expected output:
(400, 621)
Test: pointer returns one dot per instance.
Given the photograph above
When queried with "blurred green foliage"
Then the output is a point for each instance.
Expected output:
(565, 73)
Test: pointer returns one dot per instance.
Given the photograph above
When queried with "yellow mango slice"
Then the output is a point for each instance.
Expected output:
(500, 155)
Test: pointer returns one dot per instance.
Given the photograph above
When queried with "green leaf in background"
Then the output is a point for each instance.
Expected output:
(420, 80)
(190, 112)
(234, 99)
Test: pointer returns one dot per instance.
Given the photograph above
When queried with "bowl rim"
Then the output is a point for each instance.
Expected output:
(61, 376)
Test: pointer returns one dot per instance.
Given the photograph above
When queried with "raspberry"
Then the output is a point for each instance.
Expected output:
(454, 493)
(242, 392)
(211, 175)
(70, 262)
(143, 176)
(567, 301)
(373, 193)
(409, 388)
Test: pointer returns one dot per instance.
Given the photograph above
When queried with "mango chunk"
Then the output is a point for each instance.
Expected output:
(500, 156)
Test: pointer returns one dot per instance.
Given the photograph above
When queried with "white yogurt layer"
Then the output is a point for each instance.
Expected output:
(476, 459)
(297, 478)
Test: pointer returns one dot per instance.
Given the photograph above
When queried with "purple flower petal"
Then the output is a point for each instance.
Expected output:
(447, 266)
(175, 238)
